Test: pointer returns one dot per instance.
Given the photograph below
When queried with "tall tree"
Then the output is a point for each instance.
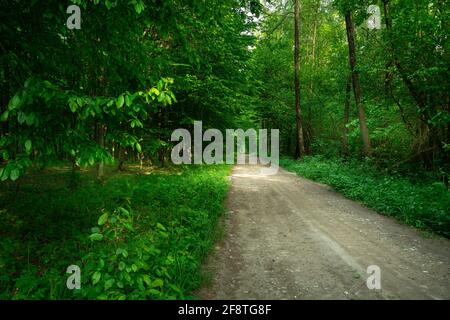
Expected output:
(300, 149)
(356, 84)
(345, 144)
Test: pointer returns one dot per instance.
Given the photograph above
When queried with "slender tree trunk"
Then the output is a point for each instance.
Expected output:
(309, 125)
(356, 84)
(390, 63)
(122, 155)
(300, 141)
(345, 144)
(447, 153)
(101, 144)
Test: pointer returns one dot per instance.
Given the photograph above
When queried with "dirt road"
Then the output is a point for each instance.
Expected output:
(291, 238)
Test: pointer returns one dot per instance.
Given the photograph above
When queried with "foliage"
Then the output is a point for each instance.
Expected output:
(403, 70)
(137, 237)
(83, 95)
(113, 92)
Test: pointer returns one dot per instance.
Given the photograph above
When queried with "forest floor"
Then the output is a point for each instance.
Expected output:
(290, 238)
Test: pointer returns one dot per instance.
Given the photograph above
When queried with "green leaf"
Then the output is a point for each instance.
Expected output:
(119, 102)
(147, 280)
(5, 155)
(128, 226)
(154, 292)
(96, 277)
(14, 175)
(160, 226)
(138, 147)
(109, 283)
(95, 230)
(28, 146)
(103, 218)
(128, 100)
(157, 283)
(160, 85)
(21, 117)
(122, 251)
(4, 116)
(96, 237)
(5, 173)
(162, 97)
(73, 106)
(30, 119)
(122, 265)
(14, 102)
(138, 6)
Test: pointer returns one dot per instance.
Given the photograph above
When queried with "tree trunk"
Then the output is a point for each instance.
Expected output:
(309, 125)
(356, 85)
(122, 154)
(300, 141)
(345, 145)
(101, 144)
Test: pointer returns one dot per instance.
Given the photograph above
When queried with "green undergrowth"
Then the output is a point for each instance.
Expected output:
(133, 236)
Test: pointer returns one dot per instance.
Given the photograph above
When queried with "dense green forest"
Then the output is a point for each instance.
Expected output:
(361, 99)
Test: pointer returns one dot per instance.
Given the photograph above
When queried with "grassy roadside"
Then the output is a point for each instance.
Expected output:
(133, 237)
(423, 205)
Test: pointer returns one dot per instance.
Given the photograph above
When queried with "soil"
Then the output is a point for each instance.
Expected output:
(290, 238)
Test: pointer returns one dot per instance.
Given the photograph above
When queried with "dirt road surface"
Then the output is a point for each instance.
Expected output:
(290, 238)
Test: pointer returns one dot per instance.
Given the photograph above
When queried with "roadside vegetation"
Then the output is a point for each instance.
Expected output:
(136, 236)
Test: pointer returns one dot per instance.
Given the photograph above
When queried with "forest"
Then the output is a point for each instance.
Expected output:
(93, 89)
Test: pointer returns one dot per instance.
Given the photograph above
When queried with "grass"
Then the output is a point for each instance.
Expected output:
(155, 231)
(425, 205)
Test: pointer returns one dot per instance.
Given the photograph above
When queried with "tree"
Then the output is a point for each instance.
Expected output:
(356, 84)
(345, 143)
(300, 148)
